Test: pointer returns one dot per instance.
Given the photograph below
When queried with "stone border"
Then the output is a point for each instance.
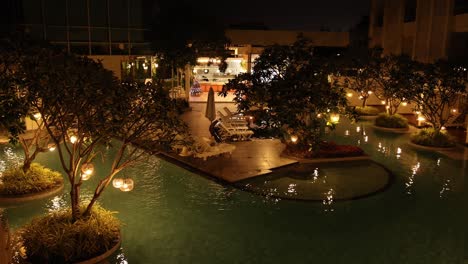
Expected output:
(391, 180)
(103, 256)
(329, 160)
(14, 199)
(428, 148)
(393, 130)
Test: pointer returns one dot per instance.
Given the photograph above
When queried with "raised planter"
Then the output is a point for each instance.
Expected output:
(103, 256)
(14, 199)
(428, 148)
(392, 130)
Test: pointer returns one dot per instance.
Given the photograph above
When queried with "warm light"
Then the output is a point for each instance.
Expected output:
(421, 118)
(358, 129)
(251, 117)
(346, 133)
(366, 138)
(51, 147)
(398, 151)
(319, 115)
(349, 94)
(369, 92)
(117, 182)
(87, 168)
(383, 102)
(360, 97)
(454, 110)
(194, 71)
(73, 139)
(85, 176)
(37, 116)
(387, 107)
(156, 65)
(294, 139)
(442, 128)
(404, 104)
(127, 185)
(418, 112)
(335, 118)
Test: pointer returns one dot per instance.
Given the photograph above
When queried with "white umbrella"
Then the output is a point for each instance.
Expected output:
(210, 111)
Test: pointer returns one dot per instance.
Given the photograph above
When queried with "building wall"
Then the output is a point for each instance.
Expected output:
(111, 62)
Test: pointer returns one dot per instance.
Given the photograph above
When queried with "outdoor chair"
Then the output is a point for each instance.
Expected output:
(206, 148)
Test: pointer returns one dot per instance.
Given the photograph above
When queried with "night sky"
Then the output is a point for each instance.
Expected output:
(292, 14)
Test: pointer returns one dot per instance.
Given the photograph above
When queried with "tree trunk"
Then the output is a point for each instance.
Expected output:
(75, 201)
(364, 100)
(26, 164)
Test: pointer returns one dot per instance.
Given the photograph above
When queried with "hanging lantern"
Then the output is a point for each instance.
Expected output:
(127, 185)
(117, 182)
(51, 146)
(73, 139)
(87, 168)
(335, 118)
(294, 139)
(85, 176)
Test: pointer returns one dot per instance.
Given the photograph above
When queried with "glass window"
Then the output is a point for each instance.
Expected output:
(118, 13)
(32, 11)
(78, 13)
(55, 12)
(98, 13)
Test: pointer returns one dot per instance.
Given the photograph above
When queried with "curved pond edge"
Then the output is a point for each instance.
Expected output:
(103, 256)
(393, 130)
(16, 199)
(428, 148)
(391, 180)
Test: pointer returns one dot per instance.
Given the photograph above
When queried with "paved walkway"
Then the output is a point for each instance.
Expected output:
(249, 159)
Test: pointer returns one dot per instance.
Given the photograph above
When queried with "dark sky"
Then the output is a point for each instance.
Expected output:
(291, 14)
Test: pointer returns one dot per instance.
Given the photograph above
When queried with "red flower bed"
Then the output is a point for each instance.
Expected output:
(326, 150)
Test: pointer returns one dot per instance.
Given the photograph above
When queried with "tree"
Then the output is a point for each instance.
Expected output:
(15, 102)
(291, 86)
(360, 75)
(83, 107)
(438, 88)
(394, 76)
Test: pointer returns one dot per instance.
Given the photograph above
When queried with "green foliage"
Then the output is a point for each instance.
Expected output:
(291, 88)
(432, 138)
(366, 111)
(438, 88)
(391, 121)
(55, 238)
(37, 179)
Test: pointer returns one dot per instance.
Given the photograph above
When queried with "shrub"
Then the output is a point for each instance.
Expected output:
(367, 111)
(54, 238)
(36, 179)
(391, 121)
(181, 105)
(432, 138)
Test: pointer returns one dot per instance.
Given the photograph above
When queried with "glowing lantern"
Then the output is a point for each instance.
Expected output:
(85, 176)
(369, 92)
(87, 168)
(37, 116)
(127, 185)
(454, 110)
(73, 139)
(334, 118)
(404, 103)
(294, 139)
(349, 94)
(117, 182)
(51, 147)
(383, 102)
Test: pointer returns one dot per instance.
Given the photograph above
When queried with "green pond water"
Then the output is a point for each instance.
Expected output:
(176, 216)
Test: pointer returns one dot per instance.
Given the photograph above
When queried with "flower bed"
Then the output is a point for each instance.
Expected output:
(54, 238)
(326, 150)
(391, 121)
(431, 138)
(37, 179)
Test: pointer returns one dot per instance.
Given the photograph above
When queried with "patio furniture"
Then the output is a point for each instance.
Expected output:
(206, 148)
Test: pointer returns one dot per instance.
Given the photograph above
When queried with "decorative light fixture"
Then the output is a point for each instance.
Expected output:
(73, 139)
(404, 103)
(85, 177)
(369, 92)
(206, 71)
(349, 94)
(117, 182)
(335, 118)
(51, 146)
(194, 71)
(127, 185)
(294, 138)
(87, 168)
(454, 110)
(383, 102)
(37, 116)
